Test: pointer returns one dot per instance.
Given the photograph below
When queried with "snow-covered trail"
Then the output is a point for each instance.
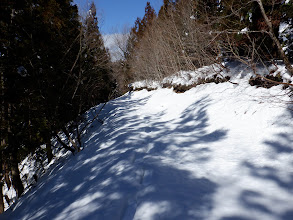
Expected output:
(214, 152)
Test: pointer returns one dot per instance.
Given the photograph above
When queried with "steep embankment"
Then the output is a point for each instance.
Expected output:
(217, 151)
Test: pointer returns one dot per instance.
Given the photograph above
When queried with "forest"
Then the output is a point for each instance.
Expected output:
(54, 65)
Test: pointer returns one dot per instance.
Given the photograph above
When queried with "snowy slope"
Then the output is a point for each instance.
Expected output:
(217, 151)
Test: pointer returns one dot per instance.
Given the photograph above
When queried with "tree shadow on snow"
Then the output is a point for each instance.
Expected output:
(280, 149)
(119, 174)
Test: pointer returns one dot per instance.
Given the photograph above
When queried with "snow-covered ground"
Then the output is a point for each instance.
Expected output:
(216, 152)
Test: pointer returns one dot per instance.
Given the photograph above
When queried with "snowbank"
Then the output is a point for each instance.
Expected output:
(217, 151)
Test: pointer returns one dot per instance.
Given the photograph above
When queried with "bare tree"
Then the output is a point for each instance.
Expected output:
(175, 41)
(271, 33)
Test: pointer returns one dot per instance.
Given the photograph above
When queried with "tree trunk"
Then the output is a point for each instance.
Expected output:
(5, 170)
(274, 38)
(15, 174)
(1, 198)
(3, 126)
(49, 151)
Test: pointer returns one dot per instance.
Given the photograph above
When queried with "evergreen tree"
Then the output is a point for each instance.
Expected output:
(37, 52)
(136, 34)
(94, 84)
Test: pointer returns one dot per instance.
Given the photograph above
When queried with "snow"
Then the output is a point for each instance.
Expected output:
(283, 27)
(192, 17)
(217, 151)
(285, 34)
(244, 31)
(236, 70)
(182, 77)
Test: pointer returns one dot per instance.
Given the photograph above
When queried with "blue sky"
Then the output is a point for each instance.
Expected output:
(114, 15)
